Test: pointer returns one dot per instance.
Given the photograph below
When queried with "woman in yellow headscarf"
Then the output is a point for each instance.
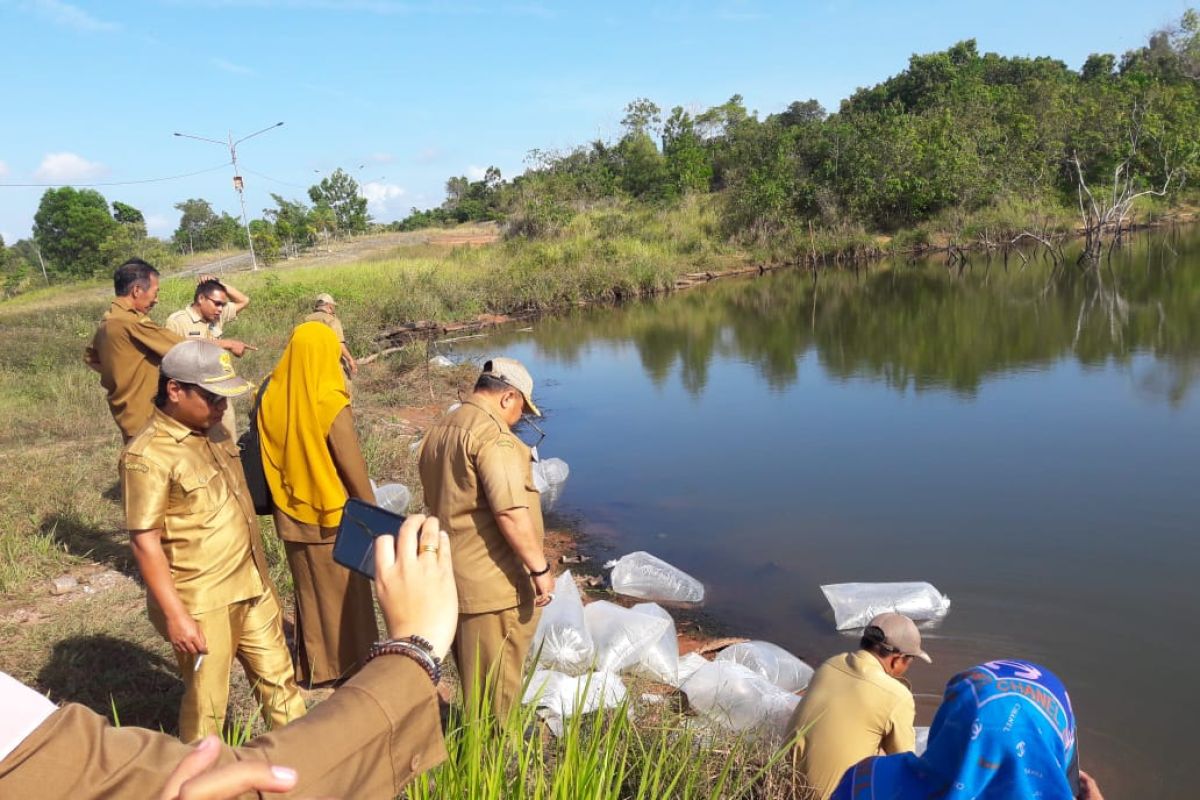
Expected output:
(312, 462)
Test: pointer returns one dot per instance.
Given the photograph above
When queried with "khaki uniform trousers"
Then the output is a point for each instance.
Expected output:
(490, 651)
(251, 630)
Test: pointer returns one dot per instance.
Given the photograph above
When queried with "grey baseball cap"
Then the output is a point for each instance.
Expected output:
(901, 634)
(324, 299)
(206, 365)
(513, 373)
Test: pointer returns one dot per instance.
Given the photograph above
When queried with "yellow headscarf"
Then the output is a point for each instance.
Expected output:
(306, 393)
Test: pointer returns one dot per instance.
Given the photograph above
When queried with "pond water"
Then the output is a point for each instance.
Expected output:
(1023, 437)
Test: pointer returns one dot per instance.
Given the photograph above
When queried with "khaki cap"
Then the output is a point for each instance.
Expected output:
(324, 299)
(513, 373)
(206, 365)
(900, 633)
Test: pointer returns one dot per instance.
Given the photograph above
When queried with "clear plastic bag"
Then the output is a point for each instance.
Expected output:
(687, 667)
(660, 660)
(549, 476)
(740, 699)
(394, 497)
(856, 604)
(560, 697)
(648, 577)
(770, 661)
(440, 361)
(562, 641)
(620, 634)
(922, 741)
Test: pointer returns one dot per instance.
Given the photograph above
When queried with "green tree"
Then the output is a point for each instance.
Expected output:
(687, 159)
(70, 227)
(127, 214)
(340, 192)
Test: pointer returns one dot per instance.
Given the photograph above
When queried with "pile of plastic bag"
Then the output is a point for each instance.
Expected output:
(392, 497)
(856, 604)
(582, 650)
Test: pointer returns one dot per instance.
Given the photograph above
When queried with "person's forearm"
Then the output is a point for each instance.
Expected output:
(156, 572)
(346, 354)
(523, 537)
(239, 299)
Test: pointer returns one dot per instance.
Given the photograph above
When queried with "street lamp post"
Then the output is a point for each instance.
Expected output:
(237, 178)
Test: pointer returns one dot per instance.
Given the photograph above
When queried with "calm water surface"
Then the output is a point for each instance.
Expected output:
(1026, 440)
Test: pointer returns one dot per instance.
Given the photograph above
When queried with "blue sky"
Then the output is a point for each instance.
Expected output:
(406, 94)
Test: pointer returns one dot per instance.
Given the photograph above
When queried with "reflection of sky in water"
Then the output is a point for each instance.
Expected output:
(1054, 501)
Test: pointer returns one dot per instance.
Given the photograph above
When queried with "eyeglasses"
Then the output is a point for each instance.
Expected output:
(209, 398)
(217, 303)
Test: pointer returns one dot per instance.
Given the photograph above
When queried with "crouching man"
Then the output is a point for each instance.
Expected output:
(195, 538)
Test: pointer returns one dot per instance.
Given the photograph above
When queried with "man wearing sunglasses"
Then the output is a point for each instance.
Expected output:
(478, 480)
(857, 706)
(195, 537)
(214, 305)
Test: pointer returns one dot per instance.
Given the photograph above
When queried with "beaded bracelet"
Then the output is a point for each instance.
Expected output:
(416, 648)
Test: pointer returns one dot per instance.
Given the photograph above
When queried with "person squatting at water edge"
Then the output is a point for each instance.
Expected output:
(312, 463)
(367, 741)
(478, 479)
(196, 541)
(128, 347)
(858, 704)
(1005, 730)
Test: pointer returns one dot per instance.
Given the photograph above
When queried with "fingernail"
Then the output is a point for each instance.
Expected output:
(207, 743)
(284, 773)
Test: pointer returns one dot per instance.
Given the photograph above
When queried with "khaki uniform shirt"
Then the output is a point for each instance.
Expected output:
(472, 466)
(330, 320)
(127, 349)
(852, 710)
(191, 486)
(368, 740)
(188, 323)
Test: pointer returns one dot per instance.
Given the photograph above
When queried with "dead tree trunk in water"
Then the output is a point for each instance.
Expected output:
(1107, 216)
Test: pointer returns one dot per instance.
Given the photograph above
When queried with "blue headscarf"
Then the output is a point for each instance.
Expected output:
(1005, 729)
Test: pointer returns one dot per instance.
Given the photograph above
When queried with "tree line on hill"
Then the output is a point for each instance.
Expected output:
(956, 132)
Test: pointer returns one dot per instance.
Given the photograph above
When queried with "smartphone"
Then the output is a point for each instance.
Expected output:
(354, 546)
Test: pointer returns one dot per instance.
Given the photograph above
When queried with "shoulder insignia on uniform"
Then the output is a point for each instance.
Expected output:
(136, 466)
(504, 441)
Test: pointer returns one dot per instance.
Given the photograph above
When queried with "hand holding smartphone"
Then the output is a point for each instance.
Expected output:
(354, 546)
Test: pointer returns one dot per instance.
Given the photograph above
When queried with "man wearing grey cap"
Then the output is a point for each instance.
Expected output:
(478, 480)
(194, 535)
(857, 706)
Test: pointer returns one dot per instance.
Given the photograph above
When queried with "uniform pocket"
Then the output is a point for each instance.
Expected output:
(199, 489)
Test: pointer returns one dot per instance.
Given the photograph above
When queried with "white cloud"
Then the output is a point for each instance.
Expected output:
(69, 16)
(230, 67)
(381, 158)
(159, 225)
(476, 173)
(67, 167)
(380, 197)
(3, 170)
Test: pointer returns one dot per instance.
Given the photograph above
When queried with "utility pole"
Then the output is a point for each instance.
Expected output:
(237, 178)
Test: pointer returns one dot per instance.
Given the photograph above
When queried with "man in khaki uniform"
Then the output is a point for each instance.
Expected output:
(195, 537)
(857, 705)
(214, 305)
(478, 481)
(325, 311)
(128, 347)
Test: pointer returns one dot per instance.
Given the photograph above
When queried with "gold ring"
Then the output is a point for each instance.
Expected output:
(429, 548)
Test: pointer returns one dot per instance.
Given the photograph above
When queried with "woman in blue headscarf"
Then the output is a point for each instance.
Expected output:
(1005, 729)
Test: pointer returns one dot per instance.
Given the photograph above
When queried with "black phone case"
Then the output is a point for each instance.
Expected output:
(354, 546)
